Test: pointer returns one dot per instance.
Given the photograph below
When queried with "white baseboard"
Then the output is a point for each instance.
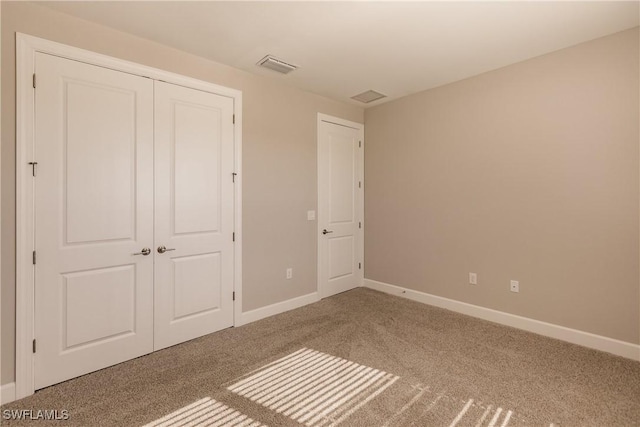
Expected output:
(277, 308)
(574, 336)
(7, 393)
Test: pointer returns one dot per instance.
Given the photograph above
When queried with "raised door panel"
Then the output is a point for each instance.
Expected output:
(196, 145)
(98, 305)
(341, 252)
(342, 170)
(99, 161)
(196, 285)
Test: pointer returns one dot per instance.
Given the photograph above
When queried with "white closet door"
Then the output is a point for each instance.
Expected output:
(193, 213)
(94, 211)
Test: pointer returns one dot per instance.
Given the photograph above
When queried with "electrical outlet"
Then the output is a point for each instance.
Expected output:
(473, 279)
(515, 286)
(289, 273)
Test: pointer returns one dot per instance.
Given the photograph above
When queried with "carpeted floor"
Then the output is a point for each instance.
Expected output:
(361, 358)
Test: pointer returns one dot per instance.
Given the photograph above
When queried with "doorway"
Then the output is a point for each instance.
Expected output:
(340, 205)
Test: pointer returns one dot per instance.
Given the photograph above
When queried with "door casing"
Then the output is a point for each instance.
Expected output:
(26, 48)
(359, 205)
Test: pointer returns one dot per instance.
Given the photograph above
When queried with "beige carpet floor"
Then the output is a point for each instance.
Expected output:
(361, 358)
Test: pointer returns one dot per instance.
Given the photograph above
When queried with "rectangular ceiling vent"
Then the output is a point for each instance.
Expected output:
(276, 64)
(368, 96)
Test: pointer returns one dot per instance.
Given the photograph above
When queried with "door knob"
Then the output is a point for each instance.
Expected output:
(162, 249)
(325, 231)
(144, 251)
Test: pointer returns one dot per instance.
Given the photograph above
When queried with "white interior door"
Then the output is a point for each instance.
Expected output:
(94, 199)
(194, 153)
(340, 206)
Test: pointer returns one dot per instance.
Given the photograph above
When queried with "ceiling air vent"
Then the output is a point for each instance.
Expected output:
(368, 96)
(276, 64)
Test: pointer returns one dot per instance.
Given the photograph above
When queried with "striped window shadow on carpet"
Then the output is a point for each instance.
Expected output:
(205, 412)
(430, 408)
(493, 416)
(313, 388)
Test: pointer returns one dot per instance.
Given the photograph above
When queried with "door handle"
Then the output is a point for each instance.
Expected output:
(325, 231)
(144, 251)
(162, 249)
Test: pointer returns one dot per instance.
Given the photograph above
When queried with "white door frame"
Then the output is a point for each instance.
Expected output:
(360, 205)
(26, 49)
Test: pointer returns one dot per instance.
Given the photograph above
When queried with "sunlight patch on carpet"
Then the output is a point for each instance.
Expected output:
(480, 415)
(314, 388)
(432, 408)
(205, 412)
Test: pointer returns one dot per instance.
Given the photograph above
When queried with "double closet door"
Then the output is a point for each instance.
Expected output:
(133, 216)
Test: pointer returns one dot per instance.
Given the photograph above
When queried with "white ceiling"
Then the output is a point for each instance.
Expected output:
(345, 48)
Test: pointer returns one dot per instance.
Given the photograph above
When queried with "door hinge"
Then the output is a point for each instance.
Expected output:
(234, 295)
(234, 119)
(359, 225)
(34, 345)
(359, 266)
(33, 168)
(233, 176)
(34, 80)
(34, 257)
(359, 184)
(360, 144)
(233, 236)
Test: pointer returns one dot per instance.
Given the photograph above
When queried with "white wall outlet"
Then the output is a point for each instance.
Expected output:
(311, 215)
(515, 286)
(473, 279)
(289, 273)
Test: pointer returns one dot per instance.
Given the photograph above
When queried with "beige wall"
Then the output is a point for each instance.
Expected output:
(279, 158)
(530, 173)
